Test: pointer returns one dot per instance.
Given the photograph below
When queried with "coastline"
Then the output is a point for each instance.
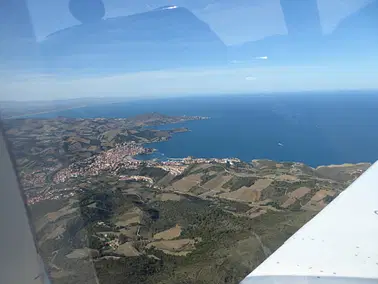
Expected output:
(84, 104)
(162, 156)
(155, 151)
(44, 112)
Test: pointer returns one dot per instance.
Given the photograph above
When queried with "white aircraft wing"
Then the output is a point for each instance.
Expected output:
(339, 245)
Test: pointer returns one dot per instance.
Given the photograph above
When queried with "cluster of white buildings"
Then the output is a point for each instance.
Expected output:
(33, 179)
(191, 160)
(55, 194)
(111, 160)
(136, 178)
(36, 178)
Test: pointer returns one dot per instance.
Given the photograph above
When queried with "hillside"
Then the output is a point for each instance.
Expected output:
(99, 211)
(211, 224)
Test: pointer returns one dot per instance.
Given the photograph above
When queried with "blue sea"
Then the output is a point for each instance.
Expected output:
(314, 128)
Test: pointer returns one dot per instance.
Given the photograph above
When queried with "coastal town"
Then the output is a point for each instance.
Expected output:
(112, 162)
(66, 148)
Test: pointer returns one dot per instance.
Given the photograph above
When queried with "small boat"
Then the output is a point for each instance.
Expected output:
(280, 144)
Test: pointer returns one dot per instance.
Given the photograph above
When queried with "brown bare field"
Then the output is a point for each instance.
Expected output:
(248, 194)
(183, 246)
(131, 217)
(55, 233)
(217, 182)
(186, 183)
(287, 178)
(316, 202)
(127, 249)
(284, 177)
(82, 253)
(255, 212)
(41, 223)
(261, 184)
(263, 164)
(321, 194)
(78, 139)
(202, 166)
(299, 192)
(130, 232)
(296, 194)
(92, 148)
(53, 216)
(244, 194)
(343, 172)
(210, 193)
(170, 196)
(169, 234)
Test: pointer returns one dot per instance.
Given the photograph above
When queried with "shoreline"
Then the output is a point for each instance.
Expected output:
(44, 112)
(344, 165)
(59, 110)
(157, 151)
(198, 118)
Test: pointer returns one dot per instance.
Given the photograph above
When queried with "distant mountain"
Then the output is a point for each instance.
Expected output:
(169, 36)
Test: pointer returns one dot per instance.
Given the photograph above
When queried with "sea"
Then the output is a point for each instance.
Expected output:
(316, 128)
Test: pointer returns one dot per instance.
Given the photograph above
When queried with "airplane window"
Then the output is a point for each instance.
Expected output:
(181, 141)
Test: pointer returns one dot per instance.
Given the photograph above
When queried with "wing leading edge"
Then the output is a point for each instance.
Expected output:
(339, 245)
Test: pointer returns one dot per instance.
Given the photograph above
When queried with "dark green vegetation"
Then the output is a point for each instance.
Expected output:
(155, 173)
(227, 247)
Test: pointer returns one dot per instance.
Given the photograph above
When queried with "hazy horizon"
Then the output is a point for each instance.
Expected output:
(166, 83)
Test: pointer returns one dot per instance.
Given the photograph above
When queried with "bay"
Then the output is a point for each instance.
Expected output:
(314, 128)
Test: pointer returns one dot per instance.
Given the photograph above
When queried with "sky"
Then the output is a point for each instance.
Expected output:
(194, 82)
(235, 21)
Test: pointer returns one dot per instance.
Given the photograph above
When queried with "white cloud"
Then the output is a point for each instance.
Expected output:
(262, 57)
